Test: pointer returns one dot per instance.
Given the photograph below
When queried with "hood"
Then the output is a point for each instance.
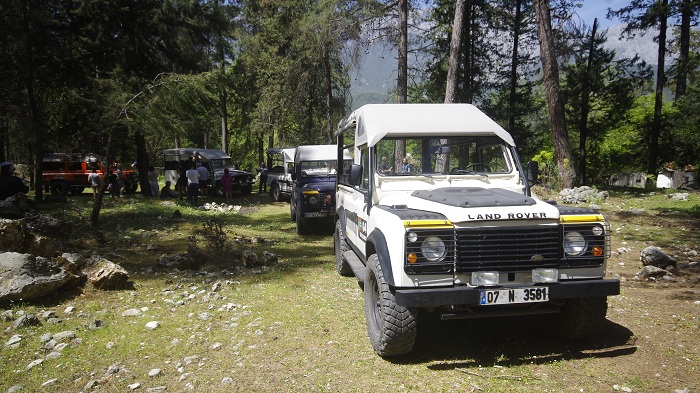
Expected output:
(474, 204)
(320, 184)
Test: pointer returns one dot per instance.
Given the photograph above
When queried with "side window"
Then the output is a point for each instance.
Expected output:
(364, 158)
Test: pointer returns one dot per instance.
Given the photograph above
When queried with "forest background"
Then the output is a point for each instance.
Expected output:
(126, 79)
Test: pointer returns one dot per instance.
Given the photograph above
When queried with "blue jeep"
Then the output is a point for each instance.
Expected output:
(312, 203)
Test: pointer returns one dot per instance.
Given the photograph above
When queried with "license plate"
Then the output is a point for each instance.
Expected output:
(316, 214)
(513, 296)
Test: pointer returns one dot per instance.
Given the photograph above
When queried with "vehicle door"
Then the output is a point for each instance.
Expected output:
(355, 201)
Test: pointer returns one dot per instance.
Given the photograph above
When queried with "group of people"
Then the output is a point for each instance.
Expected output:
(404, 166)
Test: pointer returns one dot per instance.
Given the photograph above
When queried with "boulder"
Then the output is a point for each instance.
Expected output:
(42, 246)
(43, 224)
(25, 276)
(651, 271)
(653, 256)
(269, 259)
(104, 274)
(182, 261)
(12, 235)
(250, 258)
(15, 206)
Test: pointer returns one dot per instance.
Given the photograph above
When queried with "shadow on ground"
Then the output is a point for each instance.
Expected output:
(508, 342)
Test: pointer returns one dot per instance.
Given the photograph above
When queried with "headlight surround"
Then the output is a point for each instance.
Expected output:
(433, 249)
(574, 244)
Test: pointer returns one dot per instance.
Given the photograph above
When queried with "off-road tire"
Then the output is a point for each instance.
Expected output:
(76, 190)
(302, 225)
(391, 328)
(581, 318)
(275, 192)
(340, 246)
(59, 189)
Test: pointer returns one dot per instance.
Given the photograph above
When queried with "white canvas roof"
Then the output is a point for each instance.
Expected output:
(289, 154)
(319, 153)
(375, 121)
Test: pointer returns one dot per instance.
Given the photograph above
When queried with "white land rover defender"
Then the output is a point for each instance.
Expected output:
(450, 226)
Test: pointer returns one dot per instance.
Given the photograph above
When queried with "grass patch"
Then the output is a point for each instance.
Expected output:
(298, 326)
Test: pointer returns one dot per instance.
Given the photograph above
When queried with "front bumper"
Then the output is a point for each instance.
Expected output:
(469, 296)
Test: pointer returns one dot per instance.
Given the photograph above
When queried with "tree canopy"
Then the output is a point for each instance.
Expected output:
(121, 76)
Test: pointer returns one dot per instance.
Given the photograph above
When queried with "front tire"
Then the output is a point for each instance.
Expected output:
(581, 318)
(340, 246)
(391, 328)
(246, 190)
(275, 192)
(302, 225)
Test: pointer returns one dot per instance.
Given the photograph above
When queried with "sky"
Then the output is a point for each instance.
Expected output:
(592, 9)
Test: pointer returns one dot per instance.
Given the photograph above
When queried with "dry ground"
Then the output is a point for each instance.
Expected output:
(300, 327)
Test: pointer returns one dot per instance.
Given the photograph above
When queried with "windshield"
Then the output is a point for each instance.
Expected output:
(219, 164)
(320, 168)
(465, 155)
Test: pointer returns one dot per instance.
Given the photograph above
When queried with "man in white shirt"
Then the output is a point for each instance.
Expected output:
(192, 185)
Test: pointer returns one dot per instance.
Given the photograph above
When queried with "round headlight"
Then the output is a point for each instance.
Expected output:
(597, 230)
(433, 249)
(412, 237)
(313, 200)
(574, 243)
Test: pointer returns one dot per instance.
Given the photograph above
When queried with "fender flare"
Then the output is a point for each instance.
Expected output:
(377, 240)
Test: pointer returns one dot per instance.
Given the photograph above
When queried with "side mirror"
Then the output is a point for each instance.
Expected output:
(533, 172)
(294, 176)
(355, 177)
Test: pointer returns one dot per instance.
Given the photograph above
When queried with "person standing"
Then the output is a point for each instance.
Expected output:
(203, 178)
(192, 185)
(94, 179)
(121, 182)
(226, 183)
(153, 180)
(405, 166)
(262, 187)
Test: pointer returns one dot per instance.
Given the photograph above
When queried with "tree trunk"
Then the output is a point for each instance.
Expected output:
(97, 206)
(655, 132)
(455, 46)
(223, 113)
(36, 141)
(585, 96)
(684, 48)
(402, 73)
(452, 73)
(555, 104)
(512, 98)
(142, 164)
(329, 91)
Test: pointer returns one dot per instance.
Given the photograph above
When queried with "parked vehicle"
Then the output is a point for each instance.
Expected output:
(279, 175)
(176, 161)
(452, 228)
(313, 186)
(64, 173)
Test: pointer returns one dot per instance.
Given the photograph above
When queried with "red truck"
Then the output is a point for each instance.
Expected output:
(65, 173)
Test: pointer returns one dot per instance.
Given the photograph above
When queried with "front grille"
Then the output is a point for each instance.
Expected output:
(507, 248)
